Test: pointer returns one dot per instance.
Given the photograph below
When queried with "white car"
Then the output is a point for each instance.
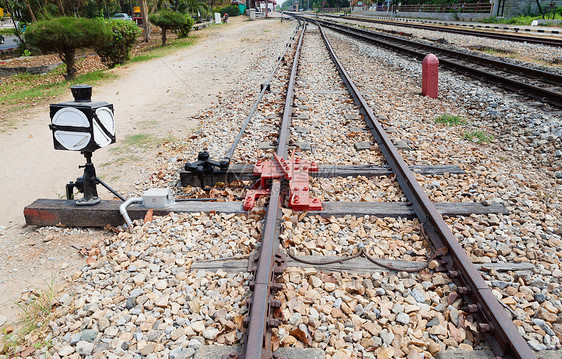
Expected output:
(122, 16)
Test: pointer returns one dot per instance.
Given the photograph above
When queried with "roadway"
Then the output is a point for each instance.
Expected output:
(10, 43)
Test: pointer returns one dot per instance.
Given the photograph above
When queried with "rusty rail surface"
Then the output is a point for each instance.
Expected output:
(496, 326)
(269, 265)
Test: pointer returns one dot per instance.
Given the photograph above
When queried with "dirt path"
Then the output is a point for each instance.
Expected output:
(153, 101)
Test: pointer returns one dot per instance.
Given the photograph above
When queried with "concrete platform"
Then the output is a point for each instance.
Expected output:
(215, 352)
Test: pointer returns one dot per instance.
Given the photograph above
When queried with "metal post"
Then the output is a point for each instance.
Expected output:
(89, 183)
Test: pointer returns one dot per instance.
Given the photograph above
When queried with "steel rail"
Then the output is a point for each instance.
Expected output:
(498, 328)
(542, 94)
(498, 36)
(499, 64)
(264, 89)
(258, 338)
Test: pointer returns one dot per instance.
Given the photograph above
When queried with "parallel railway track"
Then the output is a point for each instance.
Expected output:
(490, 34)
(541, 85)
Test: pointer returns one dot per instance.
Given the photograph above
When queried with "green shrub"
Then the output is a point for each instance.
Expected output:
(490, 20)
(519, 20)
(232, 10)
(184, 30)
(65, 35)
(117, 50)
(167, 20)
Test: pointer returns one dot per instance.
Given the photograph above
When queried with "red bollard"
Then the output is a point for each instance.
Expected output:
(430, 76)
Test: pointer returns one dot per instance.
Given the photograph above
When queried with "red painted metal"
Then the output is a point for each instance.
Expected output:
(296, 171)
(430, 76)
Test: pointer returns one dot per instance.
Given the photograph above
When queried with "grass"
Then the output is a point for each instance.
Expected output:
(494, 51)
(23, 91)
(473, 136)
(148, 124)
(142, 140)
(478, 136)
(450, 120)
(133, 142)
(521, 20)
(15, 96)
(129, 147)
(132, 147)
(36, 313)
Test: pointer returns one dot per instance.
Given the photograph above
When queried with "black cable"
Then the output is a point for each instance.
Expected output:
(204, 199)
(363, 252)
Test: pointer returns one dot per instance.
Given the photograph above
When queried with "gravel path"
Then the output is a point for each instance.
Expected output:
(139, 297)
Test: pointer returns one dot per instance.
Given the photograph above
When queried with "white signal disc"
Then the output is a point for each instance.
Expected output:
(69, 116)
(74, 141)
(105, 115)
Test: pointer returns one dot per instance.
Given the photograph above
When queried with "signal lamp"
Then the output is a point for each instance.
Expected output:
(83, 125)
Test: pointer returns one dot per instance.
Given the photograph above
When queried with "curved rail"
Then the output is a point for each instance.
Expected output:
(500, 80)
(493, 35)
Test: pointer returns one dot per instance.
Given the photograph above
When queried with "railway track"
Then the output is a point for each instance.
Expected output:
(300, 259)
(538, 84)
(490, 34)
(265, 321)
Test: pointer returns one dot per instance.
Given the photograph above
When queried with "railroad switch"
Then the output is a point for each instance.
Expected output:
(296, 171)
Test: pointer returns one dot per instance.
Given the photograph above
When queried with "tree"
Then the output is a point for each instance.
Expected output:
(116, 51)
(195, 8)
(184, 30)
(33, 18)
(145, 23)
(167, 20)
(65, 35)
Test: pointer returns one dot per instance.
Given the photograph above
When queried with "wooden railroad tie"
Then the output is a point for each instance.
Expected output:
(53, 212)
